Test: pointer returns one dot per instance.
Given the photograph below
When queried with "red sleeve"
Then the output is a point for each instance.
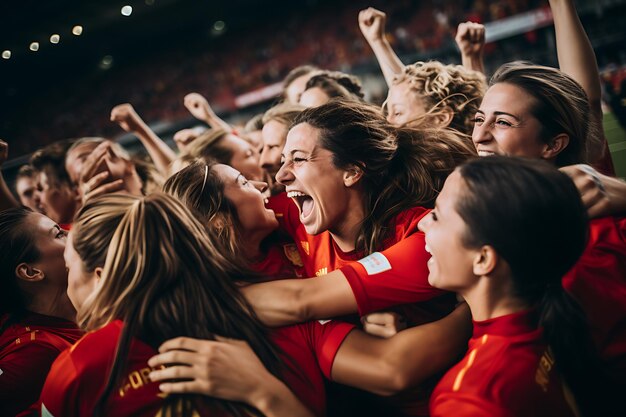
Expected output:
(23, 374)
(398, 275)
(326, 338)
(60, 394)
(465, 405)
(286, 212)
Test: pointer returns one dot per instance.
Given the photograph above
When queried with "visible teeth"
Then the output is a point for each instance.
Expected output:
(266, 200)
(485, 153)
(292, 194)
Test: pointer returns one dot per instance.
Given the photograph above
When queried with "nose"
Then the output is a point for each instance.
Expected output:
(424, 223)
(481, 134)
(264, 158)
(259, 185)
(284, 175)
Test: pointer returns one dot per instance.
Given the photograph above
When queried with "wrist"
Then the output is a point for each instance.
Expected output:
(266, 396)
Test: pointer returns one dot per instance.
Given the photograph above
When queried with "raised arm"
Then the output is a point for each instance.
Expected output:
(128, 119)
(199, 107)
(470, 38)
(578, 60)
(279, 303)
(372, 25)
(7, 200)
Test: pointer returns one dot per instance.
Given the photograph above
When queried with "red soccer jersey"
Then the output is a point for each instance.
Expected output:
(79, 374)
(281, 260)
(376, 282)
(598, 282)
(396, 275)
(27, 350)
(507, 371)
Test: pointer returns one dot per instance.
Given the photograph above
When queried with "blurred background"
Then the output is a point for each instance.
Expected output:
(64, 64)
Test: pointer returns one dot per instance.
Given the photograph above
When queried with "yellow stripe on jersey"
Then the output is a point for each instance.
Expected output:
(470, 361)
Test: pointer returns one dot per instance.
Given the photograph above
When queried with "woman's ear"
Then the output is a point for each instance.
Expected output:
(98, 272)
(352, 176)
(556, 146)
(28, 273)
(485, 261)
(443, 118)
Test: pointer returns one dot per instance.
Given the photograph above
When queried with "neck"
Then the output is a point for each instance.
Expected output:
(58, 305)
(251, 243)
(488, 301)
(347, 231)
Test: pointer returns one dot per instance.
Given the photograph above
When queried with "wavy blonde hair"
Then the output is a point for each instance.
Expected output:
(445, 87)
(165, 277)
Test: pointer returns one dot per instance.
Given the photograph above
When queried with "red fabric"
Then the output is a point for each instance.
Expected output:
(79, 374)
(598, 282)
(505, 373)
(282, 260)
(403, 249)
(27, 350)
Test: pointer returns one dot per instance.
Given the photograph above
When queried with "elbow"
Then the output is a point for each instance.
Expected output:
(302, 306)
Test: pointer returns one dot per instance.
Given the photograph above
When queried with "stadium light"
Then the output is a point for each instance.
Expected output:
(77, 30)
(55, 38)
(34, 46)
(6, 54)
(127, 10)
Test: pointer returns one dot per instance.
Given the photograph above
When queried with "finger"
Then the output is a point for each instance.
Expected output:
(112, 187)
(184, 387)
(379, 330)
(181, 357)
(173, 372)
(380, 318)
(93, 160)
(181, 343)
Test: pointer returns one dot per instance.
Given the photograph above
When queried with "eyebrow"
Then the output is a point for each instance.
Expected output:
(500, 113)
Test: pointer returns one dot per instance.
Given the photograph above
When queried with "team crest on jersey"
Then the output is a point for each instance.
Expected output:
(291, 252)
(305, 246)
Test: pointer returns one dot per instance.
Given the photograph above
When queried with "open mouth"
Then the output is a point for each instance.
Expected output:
(304, 202)
(485, 153)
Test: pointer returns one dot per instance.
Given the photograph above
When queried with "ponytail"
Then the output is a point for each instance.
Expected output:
(420, 165)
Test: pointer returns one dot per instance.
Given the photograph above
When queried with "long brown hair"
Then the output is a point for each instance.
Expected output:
(162, 269)
(200, 189)
(402, 167)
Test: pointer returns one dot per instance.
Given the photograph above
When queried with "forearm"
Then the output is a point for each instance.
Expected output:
(216, 122)
(276, 400)
(389, 366)
(473, 62)
(279, 303)
(162, 155)
(575, 53)
(388, 61)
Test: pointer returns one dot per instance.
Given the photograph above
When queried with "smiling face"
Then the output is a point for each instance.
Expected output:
(247, 198)
(80, 283)
(451, 262)
(316, 185)
(245, 159)
(404, 105)
(505, 125)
